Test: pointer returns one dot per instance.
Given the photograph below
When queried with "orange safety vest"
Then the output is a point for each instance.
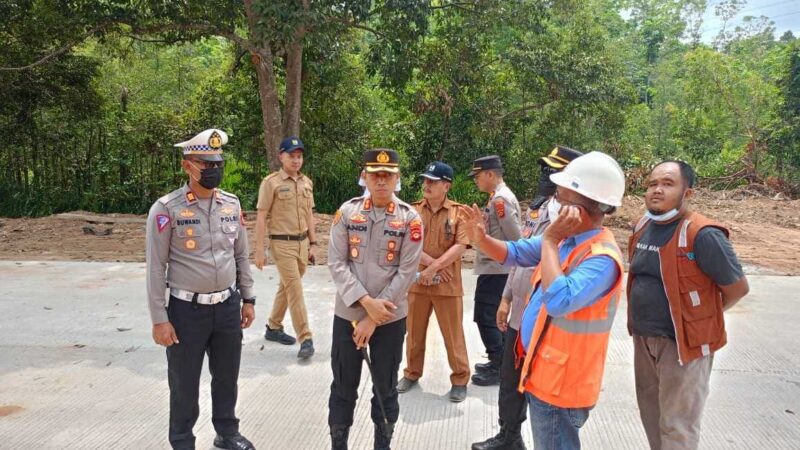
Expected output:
(695, 301)
(568, 354)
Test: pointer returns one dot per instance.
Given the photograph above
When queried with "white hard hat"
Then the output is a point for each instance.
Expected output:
(594, 175)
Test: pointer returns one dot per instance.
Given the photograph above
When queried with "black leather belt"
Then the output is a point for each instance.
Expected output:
(289, 237)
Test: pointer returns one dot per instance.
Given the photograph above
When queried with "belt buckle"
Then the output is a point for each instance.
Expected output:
(215, 298)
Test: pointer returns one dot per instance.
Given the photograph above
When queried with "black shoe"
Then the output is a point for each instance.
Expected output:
(490, 377)
(339, 434)
(405, 384)
(458, 393)
(383, 436)
(233, 442)
(306, 349)
(483, 367)
(279, 336)
(506, 439)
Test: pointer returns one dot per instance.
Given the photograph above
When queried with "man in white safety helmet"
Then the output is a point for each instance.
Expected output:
(563, 337)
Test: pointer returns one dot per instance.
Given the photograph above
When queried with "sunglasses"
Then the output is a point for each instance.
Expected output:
(207, 164)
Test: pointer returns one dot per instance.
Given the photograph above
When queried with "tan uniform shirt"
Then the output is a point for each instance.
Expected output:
(518, 287)
(443, 229)
(374, 252)
(288, 202)
(193, 248)
(503, 220)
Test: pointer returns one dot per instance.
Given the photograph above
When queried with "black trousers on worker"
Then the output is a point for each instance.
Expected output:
(488, 291)
(511, 404)
(385, 352)
(203, 329)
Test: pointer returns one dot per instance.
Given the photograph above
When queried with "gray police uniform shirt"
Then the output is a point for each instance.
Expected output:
(374, 252)
(194, 248)
(518, 287)
(502, 220)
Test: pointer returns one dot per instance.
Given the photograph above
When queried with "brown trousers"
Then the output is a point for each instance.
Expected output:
(290, 258)
(449, 314)
(671, 397)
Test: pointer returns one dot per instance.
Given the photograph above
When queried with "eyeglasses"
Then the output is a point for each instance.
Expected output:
(207, 164)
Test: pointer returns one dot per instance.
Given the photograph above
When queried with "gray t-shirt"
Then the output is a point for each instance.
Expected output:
(650, 314)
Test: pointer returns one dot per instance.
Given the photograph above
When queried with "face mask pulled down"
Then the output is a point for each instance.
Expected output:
(666, 216)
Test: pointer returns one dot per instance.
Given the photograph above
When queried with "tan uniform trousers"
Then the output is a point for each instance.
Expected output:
(670, 396)
(449, 314)
(290, 257)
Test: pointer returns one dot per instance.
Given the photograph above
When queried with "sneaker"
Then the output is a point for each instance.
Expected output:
(405, 384)
(458, 393)
(306, 349)
(279, 336)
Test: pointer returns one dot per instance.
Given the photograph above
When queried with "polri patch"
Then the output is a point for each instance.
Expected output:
(500, 208)
(162, 220)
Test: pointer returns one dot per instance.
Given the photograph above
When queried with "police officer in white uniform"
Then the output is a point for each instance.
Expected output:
(197, 247)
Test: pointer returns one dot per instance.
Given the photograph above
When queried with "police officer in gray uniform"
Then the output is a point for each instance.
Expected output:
(373, 253)
(511, 403)
(502, 215)
(197, 246)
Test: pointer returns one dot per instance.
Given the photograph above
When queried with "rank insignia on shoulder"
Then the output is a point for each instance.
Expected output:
(367, 205)
(190, 197)
(337, 217)
(358, 218)
(500, 208)
(415, 228)
(162, 220)
(390, 208)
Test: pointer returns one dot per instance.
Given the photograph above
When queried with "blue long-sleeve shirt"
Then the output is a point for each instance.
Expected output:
(586, 284)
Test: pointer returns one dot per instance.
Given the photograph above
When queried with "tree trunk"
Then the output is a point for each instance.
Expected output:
(267, 92)
(294, 72)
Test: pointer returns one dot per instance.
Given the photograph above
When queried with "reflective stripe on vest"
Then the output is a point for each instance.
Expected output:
(589, 326)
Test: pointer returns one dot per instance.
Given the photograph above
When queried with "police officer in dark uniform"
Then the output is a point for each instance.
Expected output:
(196, 243)
(374, 249)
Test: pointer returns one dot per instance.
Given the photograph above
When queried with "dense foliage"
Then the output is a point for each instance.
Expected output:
(95, 94)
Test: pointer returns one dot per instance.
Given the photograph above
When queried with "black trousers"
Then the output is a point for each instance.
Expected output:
(511, 404)
(203, 329)
(488, 291)
(385, 352)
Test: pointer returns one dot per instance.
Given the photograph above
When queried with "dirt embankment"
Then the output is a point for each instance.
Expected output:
(765, 231)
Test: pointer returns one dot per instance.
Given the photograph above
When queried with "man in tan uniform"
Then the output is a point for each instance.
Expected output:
(195, 244)
(373, 254)
(438, 287)
(285, 205)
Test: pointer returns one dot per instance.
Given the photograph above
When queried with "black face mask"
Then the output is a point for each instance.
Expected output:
(210, 177)
(546, 187)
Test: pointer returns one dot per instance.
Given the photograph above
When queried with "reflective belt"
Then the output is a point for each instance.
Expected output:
(204, 299)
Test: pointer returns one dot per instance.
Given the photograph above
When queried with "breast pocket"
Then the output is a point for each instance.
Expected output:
(389, 252)
(357, 252)
(230, 231)
(286, 196)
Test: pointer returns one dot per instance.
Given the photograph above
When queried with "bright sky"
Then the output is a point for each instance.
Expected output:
(784, 13)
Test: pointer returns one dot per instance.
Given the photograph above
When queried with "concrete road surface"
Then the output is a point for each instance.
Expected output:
(79, 370)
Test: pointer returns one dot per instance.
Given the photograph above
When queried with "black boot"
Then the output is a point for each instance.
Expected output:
(383, 436)
(483, 367)
(339, 434)
(507, 439)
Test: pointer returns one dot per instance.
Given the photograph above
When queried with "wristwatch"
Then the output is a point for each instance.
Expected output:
(249, 301)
